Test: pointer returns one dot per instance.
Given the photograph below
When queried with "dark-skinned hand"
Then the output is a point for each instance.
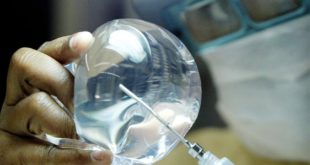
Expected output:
(29, 109)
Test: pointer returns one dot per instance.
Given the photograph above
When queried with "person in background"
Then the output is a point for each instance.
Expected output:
(257, 52)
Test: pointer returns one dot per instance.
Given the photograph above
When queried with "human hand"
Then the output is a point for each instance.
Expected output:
(29, 109)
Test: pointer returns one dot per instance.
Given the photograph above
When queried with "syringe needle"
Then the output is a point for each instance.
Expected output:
(132, 95)
(195, 150)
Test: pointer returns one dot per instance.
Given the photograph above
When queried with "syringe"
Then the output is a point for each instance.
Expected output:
(194, 149)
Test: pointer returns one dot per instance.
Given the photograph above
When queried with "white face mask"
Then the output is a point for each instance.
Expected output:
(263, 85)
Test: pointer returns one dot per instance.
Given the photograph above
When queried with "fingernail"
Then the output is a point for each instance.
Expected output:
(98, 155)
(81, 41)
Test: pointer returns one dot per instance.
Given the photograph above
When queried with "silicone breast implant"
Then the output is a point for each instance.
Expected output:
(153, 64)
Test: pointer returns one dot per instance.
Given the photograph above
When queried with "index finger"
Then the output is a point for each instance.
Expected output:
(68, 48)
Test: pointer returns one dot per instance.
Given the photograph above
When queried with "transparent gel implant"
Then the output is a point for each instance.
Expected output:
(153, 64)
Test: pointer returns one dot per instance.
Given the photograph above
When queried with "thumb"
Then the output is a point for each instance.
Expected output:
(68, 48)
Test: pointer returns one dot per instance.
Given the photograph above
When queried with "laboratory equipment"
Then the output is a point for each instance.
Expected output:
(158, 68)
(195, 150)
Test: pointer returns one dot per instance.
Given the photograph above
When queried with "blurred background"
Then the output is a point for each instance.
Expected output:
(253, 57)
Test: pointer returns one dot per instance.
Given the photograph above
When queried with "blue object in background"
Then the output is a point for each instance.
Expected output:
(206, 24)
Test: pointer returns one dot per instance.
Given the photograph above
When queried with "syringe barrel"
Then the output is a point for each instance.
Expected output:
(210, 159)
